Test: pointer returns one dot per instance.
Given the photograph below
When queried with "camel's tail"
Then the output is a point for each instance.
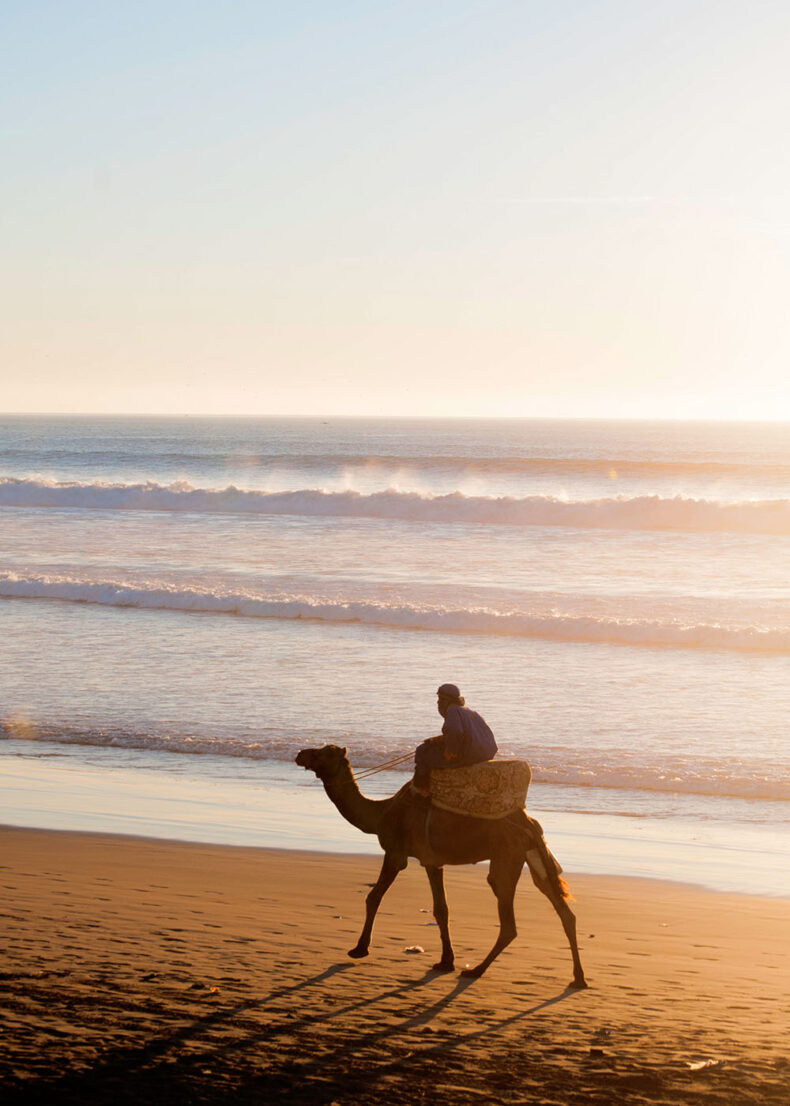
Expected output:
(543, 865)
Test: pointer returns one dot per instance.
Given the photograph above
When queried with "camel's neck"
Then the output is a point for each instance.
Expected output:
(365, 814)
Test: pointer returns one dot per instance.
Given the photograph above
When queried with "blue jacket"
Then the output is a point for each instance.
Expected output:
(467, 736)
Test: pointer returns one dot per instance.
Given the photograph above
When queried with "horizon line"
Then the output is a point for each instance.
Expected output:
(400, 416)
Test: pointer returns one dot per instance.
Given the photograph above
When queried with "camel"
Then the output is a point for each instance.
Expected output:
(405, 829)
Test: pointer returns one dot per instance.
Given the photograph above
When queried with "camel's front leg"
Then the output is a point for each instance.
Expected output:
(442, 915)
(503, 877)
(389, 870)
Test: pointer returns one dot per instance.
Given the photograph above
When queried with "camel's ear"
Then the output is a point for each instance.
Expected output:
(344, 751)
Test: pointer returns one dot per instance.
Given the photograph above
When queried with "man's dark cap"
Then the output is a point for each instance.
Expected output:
(449, 691)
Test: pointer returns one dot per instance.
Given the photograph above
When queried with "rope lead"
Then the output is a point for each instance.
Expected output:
(383, 767)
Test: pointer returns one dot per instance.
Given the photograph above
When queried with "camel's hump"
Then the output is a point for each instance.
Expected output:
(489, 790)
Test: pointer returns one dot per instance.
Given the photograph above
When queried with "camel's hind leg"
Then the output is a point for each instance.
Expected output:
(389, 870)
(553, 891)
(503, 875)
(442, 915)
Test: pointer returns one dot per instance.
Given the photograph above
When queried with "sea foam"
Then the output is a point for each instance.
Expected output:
(473, 620)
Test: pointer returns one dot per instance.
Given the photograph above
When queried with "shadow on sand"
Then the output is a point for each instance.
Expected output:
(171, 1069)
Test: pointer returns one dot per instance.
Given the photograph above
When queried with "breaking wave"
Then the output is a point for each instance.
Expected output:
(647, 512)
(474, 620)
(567, 767)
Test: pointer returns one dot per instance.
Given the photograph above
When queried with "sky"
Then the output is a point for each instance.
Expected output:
(561, 209)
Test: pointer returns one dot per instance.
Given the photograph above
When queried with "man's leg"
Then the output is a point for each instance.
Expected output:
(428, 755)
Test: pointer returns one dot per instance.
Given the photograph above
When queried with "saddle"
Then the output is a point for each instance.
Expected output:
(492, 789)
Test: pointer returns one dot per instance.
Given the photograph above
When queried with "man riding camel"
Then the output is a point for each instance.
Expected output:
(466, 739)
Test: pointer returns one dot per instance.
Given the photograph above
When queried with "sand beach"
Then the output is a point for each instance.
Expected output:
(142, 970)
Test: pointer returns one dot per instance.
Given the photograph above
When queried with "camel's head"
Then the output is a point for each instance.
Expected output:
(324, 762)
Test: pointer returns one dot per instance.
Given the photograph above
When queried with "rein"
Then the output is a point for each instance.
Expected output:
(383, 767)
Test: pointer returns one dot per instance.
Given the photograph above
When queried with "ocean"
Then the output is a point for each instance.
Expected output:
(187, 602)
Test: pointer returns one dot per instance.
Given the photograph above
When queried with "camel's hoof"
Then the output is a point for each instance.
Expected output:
(578, 984)
(357, 953)
(472, 973)
(443, 966)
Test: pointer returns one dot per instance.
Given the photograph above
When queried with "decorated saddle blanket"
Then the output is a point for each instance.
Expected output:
(488, 790)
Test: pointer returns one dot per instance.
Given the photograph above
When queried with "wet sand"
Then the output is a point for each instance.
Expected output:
(140, 970)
